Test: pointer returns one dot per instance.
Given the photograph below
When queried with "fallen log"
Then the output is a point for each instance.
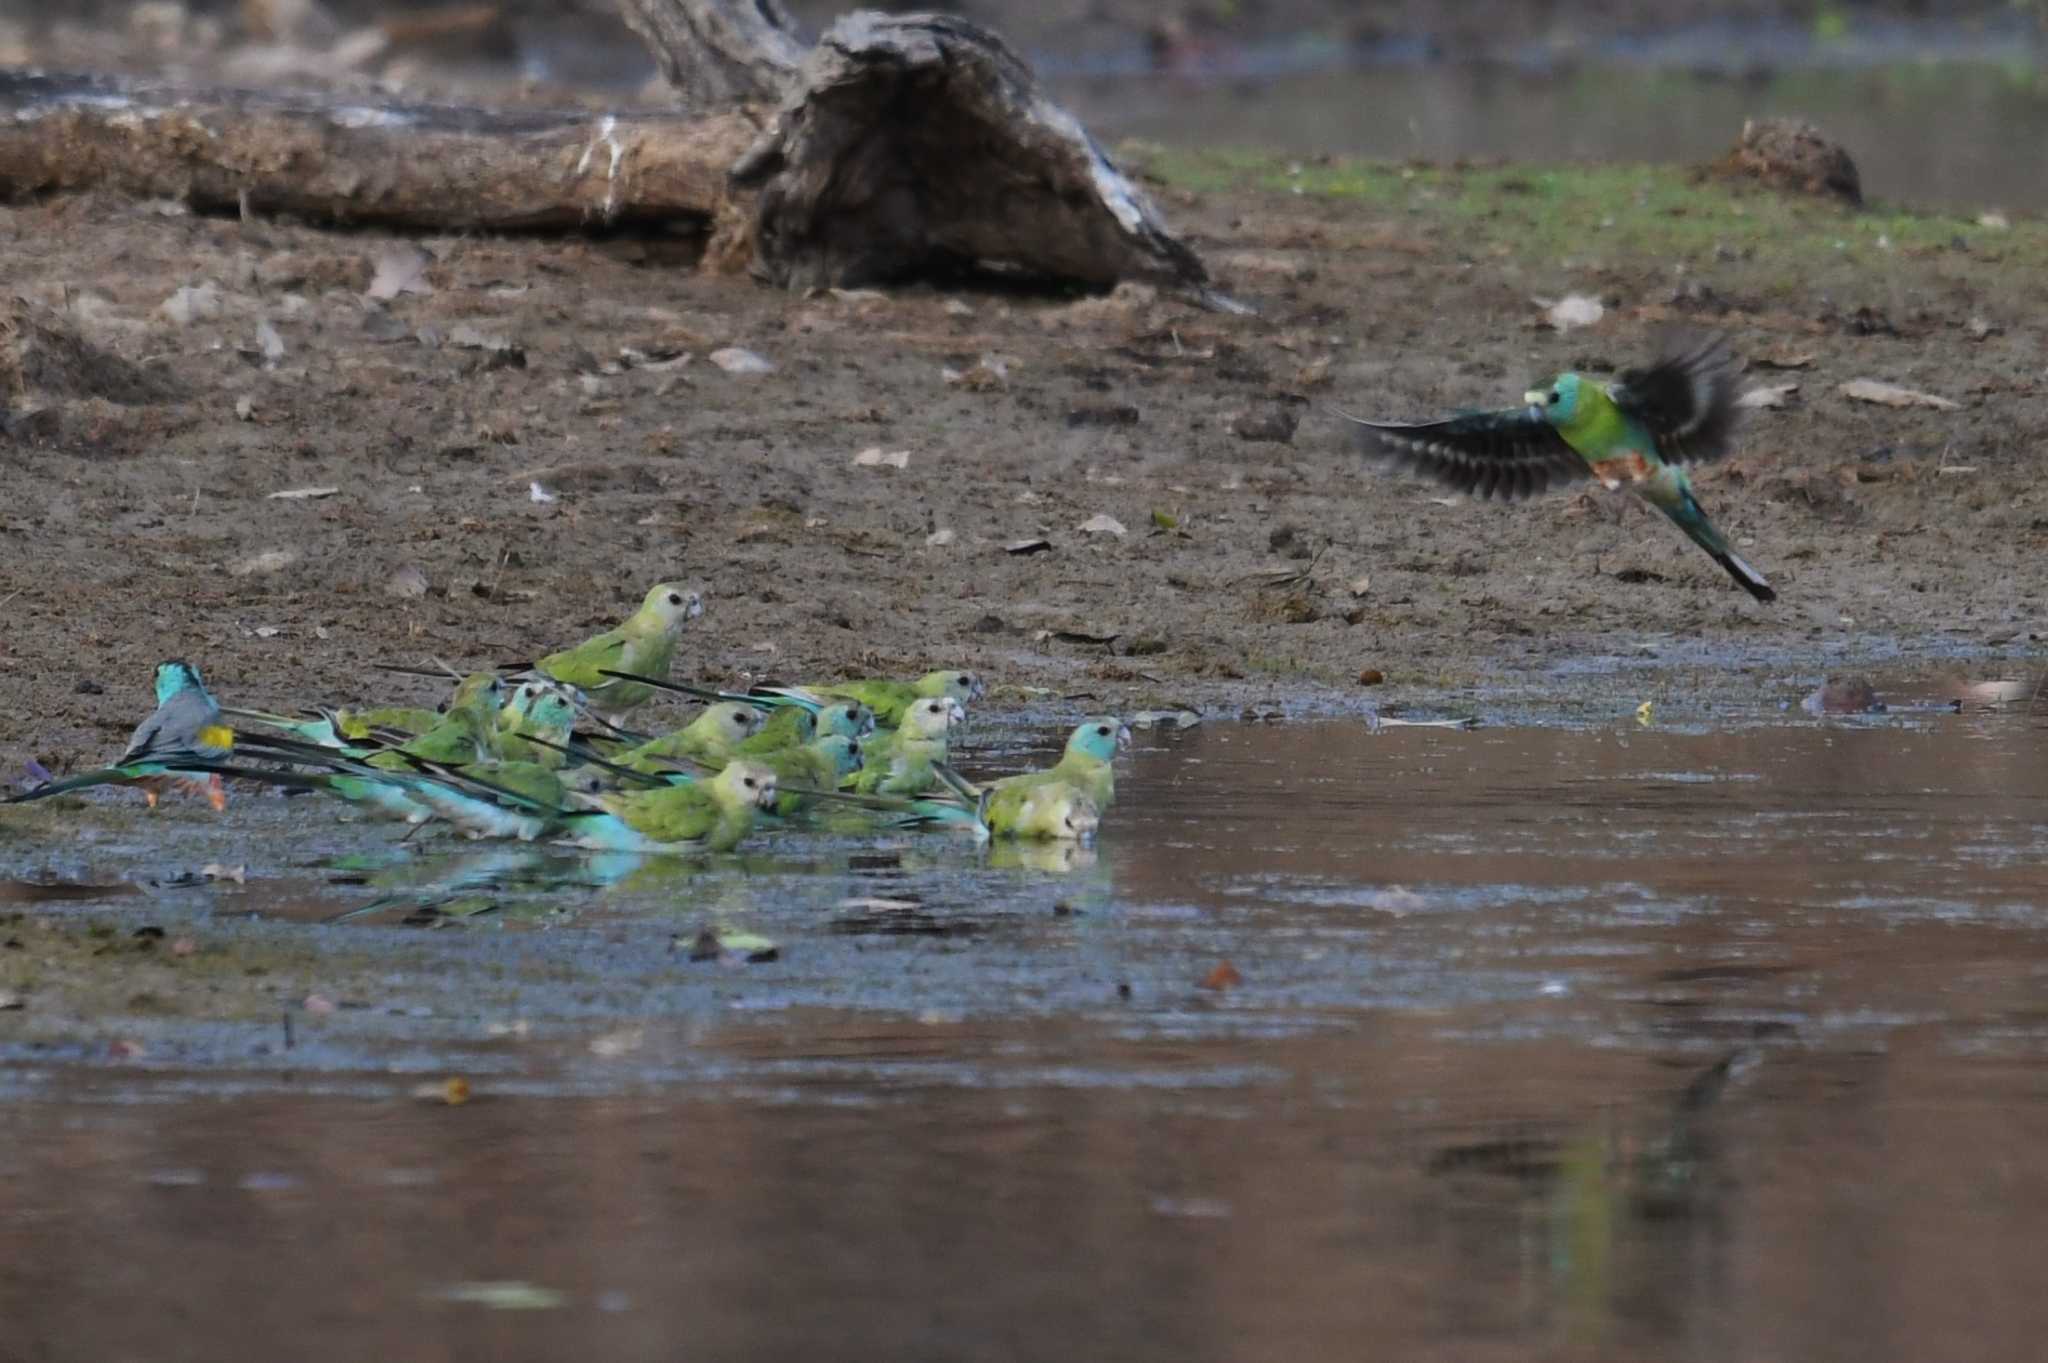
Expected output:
(348, 162)
(899, 146)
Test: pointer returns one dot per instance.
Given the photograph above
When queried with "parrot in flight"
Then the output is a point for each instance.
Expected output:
(1638, 432)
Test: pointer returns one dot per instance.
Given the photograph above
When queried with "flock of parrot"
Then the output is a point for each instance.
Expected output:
(543, 752)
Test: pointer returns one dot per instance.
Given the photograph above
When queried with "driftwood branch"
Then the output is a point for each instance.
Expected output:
(421, 167)
(715, 52)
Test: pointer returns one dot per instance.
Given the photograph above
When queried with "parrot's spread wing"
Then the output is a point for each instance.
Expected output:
(1685, 399)
(1507, 454)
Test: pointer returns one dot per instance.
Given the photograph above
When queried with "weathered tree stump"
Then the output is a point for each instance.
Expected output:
(913, 144)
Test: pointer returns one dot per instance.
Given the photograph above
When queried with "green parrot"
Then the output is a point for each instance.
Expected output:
(845, 717)
(1078, 787)
(1045, 810)
(330, 727)
(1087, 763)
(889, 699)
(787, 726)
(901, 763)
(711, 815)
(710, 739)
(522, 800)
(1637, 433)
(643, 644)
(819, 765)
(185, 727)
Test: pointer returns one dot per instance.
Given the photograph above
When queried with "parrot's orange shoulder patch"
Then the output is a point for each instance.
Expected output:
(1624, 467)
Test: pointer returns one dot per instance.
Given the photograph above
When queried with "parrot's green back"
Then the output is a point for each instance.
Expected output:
(888, 699)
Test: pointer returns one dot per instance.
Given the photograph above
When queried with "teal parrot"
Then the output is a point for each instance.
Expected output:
(1087, 763)
(643, 644)
(186, 727)
(814, 767)
(1064, 800)
(902, 762)
(536, 710)
(1637, 433)
(889, 700)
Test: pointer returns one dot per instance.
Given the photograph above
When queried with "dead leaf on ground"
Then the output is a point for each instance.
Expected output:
(1892, 395)
(400, 268)
(735, 360)
(990, 371)
(1774, 395)
(1102, 524)
(1224, 976)
(875, 457)
(1572, 310)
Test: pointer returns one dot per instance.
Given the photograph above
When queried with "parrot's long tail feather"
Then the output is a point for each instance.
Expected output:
(69, 784)
(680, 688)
(957, 783)
(584, 754)
(1748, 578)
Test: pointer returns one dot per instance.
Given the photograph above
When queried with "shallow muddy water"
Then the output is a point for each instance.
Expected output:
(1557, 1042)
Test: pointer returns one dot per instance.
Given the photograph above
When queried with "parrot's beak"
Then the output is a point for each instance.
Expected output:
(1123, 736)
(1534, 397)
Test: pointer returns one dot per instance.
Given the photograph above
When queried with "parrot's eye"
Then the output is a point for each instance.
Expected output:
(1552, 399)
(749, 781)
(674, 600)
(1103, 730)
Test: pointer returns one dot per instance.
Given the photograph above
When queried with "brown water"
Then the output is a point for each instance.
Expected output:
(1564, 1043)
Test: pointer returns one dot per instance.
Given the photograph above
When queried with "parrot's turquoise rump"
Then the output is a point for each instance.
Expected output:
(1636, 433)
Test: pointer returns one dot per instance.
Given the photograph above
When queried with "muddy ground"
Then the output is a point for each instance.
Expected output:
(150, 526)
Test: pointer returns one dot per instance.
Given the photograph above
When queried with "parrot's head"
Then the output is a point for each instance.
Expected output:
(847, 717)
(671, 605)
(518, 704)
(750, 782)
(932, 716)
(1099, 738)
(733, 721)
(483, 691)
(1558, 403)
(843, 750)
(961, 686)
(175, 677)
(552, 712)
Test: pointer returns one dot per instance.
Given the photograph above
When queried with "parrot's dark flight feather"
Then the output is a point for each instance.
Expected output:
(1507, 454)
